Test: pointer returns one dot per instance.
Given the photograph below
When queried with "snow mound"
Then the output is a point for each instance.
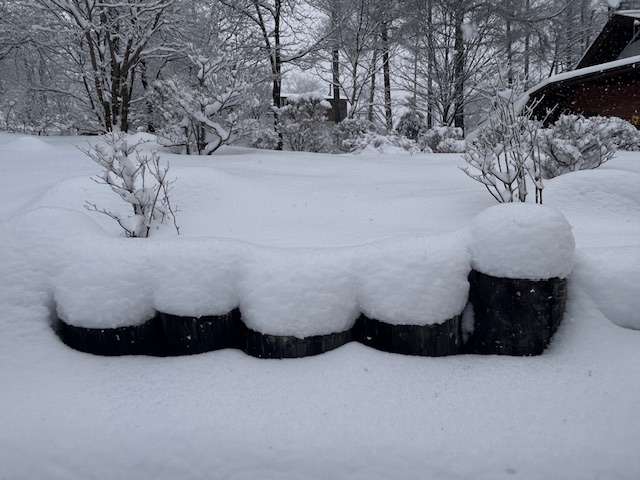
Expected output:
(600, 272)
(35, 249)
(414, 281)
(70, 192)
(28, 146)
(197, 277)
(98, 281)
(613, 191)
(106, 290)
(298, 292)
(147, 141)
(520, 240)
(407, 281)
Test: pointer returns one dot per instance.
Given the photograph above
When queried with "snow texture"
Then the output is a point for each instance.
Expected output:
(353, 413)
(414, 281)
(522, 240)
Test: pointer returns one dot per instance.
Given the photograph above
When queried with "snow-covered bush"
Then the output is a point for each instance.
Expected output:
(375, 142)
(350, 133)
(505, 152)
(203, 115)
(259, 135)
(411, 123)
(442, 140)
(138, 179)
(302, 122)
(36, 114)
(621, 132)
(451, 145)
(357, 135)
(575, 143)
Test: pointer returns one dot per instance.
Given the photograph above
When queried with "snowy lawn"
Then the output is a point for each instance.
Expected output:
(572, 413)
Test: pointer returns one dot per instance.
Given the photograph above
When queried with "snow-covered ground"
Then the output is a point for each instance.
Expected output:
(356, 413)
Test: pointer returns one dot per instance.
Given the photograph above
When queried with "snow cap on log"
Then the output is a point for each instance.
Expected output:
(522, 240)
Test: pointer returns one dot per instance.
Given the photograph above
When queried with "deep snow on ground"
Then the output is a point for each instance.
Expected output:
(573, 413)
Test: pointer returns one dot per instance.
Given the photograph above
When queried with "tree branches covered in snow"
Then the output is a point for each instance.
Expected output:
(69, 66)
(506, 151)
(577, 143)
(206, 109)
(113, 39)
(138, 179)
(302, 122)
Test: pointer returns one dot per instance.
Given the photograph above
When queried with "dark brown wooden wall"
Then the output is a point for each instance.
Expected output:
(614, 99)
(606, 94)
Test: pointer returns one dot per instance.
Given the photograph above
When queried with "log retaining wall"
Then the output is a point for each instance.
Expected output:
(511, 317)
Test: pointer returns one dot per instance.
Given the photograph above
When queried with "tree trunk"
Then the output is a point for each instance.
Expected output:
(509, 52)
(386, 76)
(337, 113)
(459, 67)
(372, 93)
(431, 61)
(527, 47)
(144, 79)
(335, 67)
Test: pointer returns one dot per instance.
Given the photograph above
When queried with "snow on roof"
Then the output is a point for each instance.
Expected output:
(629, 13)
(584, 71)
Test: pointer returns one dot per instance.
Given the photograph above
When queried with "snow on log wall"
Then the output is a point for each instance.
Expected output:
(506, 273)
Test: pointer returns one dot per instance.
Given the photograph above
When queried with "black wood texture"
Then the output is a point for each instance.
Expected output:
(514, 316)
(426, 340)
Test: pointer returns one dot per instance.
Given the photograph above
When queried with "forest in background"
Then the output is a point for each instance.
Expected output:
(92, 66)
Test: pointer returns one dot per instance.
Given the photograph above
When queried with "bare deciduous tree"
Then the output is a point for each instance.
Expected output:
(115, 37)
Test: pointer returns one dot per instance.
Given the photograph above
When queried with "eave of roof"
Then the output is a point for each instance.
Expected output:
(629, 63)
(629, 13)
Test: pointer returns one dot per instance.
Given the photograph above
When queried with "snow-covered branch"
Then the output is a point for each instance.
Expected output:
(136, 178)
(207, 110)
(506, 151)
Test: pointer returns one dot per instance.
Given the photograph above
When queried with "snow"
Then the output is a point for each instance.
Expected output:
(414, 281)
(612, 276)
(269, 223)
(298, 293)
(629, 13)
(522, 240)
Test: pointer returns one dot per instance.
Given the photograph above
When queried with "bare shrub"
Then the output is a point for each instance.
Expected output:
(138, 179)
(506, 151)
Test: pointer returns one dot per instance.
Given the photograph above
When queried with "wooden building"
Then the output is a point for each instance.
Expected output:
(605, 82)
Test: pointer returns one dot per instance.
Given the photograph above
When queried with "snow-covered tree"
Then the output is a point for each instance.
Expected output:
(105, 43)
(302, 122)
(411, 123)
(351, 133)
(442, 140)
(286, 36)
(207, 108)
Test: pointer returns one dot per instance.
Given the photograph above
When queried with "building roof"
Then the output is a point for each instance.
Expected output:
(619, 38)
(616, 66)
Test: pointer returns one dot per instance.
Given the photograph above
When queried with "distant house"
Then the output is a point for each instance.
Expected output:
(605, 82)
